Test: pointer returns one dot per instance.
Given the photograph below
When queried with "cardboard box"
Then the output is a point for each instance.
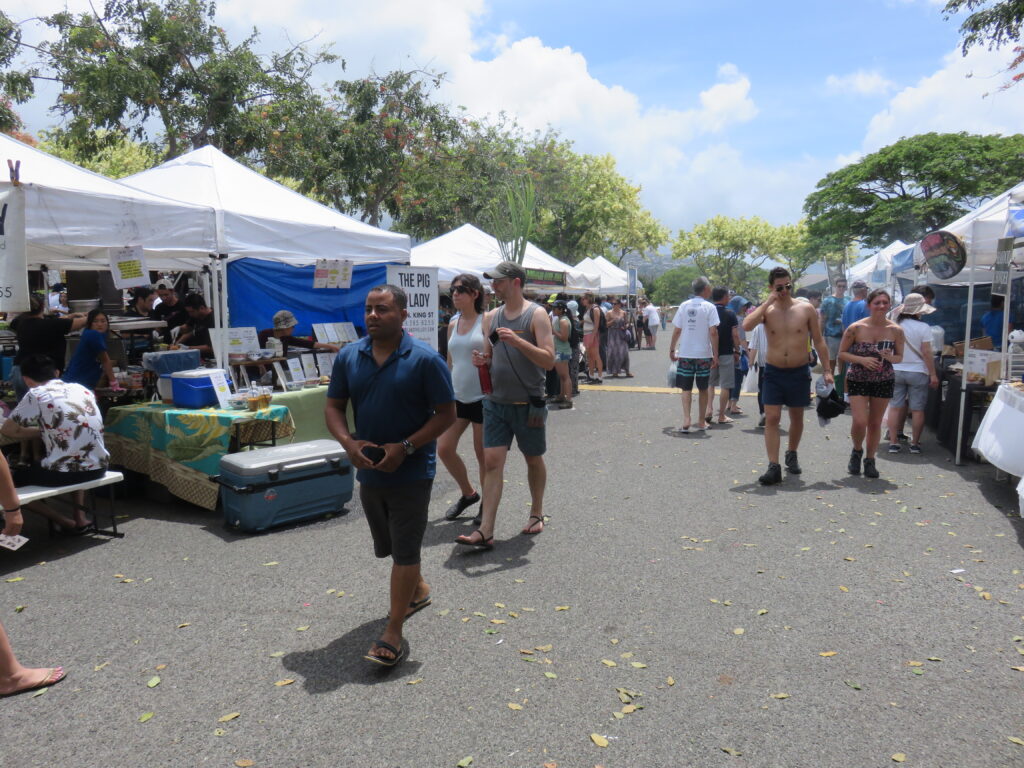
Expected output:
(982, 342)
(983, 366)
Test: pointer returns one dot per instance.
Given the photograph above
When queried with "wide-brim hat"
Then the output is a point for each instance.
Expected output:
(284, 319)
(914, 304)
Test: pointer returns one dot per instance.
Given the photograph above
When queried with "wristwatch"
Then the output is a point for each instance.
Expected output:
(410, 449)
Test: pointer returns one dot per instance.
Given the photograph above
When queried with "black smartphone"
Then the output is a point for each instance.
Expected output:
(493, 338)
(373, 452)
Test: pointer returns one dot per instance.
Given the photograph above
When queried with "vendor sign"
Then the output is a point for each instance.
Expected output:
(943, 254)
(128, 267)
(13, 262)
(333, 274)
(420, 286)
(548, 278)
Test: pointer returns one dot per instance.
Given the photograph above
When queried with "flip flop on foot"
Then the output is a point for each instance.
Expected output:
(53, 676)
(476, 539)
(417, 605)
(385, 661)
(725, 420)
(531, 528)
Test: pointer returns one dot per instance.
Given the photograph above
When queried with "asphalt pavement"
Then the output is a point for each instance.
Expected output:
(672, 613)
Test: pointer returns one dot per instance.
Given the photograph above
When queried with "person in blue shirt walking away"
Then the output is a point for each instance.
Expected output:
(401, 392)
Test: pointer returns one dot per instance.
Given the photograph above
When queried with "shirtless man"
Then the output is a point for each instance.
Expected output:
(787, 375)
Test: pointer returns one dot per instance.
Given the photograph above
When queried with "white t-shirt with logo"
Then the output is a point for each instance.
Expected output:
(917, 333)
(653, 318)
(695, 317)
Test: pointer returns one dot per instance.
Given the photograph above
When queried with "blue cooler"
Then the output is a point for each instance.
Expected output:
(194, 389)
(272, 486)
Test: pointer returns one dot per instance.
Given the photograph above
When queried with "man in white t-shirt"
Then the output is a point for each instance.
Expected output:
(653, 323)
(914, 375)
(695, 331)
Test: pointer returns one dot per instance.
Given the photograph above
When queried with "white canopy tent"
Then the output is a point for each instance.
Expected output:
(876, 270)
(471, 250)
(614, 279)
(73, 216)
(258, 218)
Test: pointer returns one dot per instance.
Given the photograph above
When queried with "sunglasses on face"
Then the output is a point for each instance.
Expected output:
(786, 287)
(460, 289)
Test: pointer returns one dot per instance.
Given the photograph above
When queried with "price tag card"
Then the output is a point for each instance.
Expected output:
(295, 369)
(128, 267)
(220, 386)
(320, 333)
(339, 274)
(320, 274)
(309, 366)
(326, 362)
(242, 340)
(347, 332)
(12, 542)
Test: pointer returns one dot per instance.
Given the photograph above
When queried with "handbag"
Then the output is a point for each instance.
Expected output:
(672, 367)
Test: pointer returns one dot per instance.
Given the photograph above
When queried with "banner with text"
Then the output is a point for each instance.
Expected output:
(13, 261)
(420, 285)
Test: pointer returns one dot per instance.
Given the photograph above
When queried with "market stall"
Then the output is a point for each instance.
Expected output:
(179, 448)
(613, 279)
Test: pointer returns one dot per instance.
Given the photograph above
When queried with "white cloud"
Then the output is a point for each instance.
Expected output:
(963, 95)
(861, 83)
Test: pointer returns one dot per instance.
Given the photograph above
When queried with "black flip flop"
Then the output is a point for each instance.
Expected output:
(385, 662)
(416, 606)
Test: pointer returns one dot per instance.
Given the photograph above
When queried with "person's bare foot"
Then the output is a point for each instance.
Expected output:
(30, 679)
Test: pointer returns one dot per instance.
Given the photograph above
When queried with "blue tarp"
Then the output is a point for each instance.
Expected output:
(257, 289)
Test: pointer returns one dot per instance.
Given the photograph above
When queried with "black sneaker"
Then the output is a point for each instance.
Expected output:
(773, 476)
(903, 438)
(760, 423)
(792, 465)
(869, 468)
(854, 466)
(915, 448)
(461, 506)
(894, 448)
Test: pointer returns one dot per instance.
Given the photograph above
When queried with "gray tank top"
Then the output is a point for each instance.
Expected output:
(514, 379)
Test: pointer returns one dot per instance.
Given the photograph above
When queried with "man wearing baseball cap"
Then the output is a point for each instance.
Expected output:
(284, 329)
(518, 348)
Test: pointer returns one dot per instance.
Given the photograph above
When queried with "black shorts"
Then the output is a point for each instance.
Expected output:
(790, 387)
(474, 412)
(397, 515)
(883, 389)
(51, 478)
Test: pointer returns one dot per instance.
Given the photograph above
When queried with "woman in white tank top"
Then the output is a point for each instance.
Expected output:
(465, 334)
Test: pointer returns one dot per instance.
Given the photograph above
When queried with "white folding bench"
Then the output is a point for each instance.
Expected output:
(30, 493)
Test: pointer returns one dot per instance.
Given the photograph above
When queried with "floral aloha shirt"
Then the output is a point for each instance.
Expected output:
(71, 425)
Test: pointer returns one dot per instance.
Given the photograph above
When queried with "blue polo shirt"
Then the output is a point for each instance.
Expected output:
(854, 311)
(394, 400)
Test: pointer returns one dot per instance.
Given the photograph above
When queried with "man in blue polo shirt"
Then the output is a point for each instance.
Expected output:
(402, 396)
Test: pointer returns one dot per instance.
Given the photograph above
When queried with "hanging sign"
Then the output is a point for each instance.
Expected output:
(13, 261)
(320, 274)
(1001, 274)
(420, 286)
(333, 274)
(943, 254)
(548, 278)
(128, 267)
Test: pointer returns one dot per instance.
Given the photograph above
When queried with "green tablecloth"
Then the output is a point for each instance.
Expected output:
(307, 410)
(178, 447)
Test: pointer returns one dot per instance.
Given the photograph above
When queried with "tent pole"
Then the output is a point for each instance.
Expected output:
(967, 351)
(222, 350)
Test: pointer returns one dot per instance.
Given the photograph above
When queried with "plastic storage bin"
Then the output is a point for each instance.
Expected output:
(272, 486)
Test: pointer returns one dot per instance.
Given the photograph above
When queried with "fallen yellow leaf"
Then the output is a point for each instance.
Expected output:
(844, 589)
(738, 631)
(637, 665)
(670, 680)
(561, 607)
(598, 739)
(302, 629)
(244, 763)
(826, 654)
(543, 648)
(780, 695)
(417, 681)
(733, 752)
(287, 681)
(899, 757)
(609, 663)
(513, 705)
(629, 709)
(227, 718)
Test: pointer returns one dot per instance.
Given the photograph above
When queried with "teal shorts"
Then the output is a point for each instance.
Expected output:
(502, 422)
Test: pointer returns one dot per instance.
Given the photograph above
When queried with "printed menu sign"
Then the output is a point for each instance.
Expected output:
(420, 286)
(128, 267)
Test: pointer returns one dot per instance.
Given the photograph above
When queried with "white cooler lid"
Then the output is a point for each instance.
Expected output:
(262, 460)
(197, 373)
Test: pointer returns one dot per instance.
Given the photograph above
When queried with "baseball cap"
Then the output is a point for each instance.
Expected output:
(506, 269)
(164, 285)
(858, 285)
(830, 404)
(284, 319)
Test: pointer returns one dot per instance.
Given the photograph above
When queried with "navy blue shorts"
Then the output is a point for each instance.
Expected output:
(790, 387)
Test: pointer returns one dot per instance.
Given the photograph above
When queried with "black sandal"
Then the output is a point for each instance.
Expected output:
(482, 543)
(528, 530)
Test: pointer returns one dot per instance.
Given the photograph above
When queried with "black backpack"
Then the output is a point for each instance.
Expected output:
(575, 337)
(602, 323)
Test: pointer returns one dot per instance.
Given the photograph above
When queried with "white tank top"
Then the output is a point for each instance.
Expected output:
(465, 379)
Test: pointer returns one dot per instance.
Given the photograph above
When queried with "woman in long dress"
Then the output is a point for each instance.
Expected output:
(618, 341)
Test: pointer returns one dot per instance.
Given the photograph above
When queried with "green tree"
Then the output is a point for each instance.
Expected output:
(791, 247)
(909, 188)
(15, 84)
(672, 287)
(730, 252)
(143, 62)
(359, 150)
(116, 157)
(992, 24)
(512, 223)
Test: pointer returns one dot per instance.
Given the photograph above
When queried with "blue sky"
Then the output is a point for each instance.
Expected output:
(733, 107)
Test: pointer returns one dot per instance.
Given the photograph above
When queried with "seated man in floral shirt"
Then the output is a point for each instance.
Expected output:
(65, 416)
